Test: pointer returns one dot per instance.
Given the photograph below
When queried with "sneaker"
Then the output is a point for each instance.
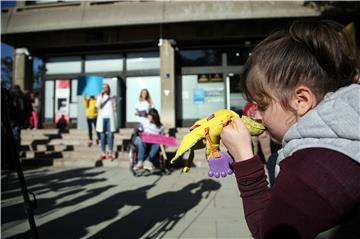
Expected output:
(138, 166)
(102, 156)
(90, 143)
(111, 156)
(97, 142)
(148, 165)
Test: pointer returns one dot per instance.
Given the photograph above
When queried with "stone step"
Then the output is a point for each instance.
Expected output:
(86, 137)
(76, 159)
(121, 161)
(48, 147)
(123, 131)
(90, 163)
(39, 131)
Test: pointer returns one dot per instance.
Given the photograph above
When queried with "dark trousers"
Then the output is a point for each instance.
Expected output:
(92, 122)
(270, 165)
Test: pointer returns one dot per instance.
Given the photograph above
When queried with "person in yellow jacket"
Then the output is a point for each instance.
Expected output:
(91, 116)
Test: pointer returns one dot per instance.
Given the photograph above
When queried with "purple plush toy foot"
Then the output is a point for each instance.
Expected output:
(220, 166)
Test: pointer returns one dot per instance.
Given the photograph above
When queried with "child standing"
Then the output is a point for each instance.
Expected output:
(91, 116)
(302, 81)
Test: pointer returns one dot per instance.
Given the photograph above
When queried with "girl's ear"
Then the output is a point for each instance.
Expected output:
(303, 101)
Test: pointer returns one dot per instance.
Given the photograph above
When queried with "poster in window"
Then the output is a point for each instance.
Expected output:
(62, 100)
(199, 96)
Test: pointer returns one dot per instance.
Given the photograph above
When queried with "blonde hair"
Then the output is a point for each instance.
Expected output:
(147, 98)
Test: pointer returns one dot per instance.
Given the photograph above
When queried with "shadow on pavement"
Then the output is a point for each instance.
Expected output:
(40, 183)
(153, 217)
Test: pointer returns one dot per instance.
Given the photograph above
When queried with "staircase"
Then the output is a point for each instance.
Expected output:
(48, 147)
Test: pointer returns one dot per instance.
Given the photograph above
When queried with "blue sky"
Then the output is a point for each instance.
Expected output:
(6, 50)
(7, 4)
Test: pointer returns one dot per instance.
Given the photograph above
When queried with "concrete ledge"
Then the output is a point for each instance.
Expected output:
(85, 15)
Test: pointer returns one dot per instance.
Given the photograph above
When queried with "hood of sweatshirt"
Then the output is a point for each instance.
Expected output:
(333, 124)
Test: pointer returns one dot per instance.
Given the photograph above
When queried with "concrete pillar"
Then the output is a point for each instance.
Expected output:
(22, 69)
(167, 75)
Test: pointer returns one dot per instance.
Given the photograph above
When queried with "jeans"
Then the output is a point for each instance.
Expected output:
(106, 130)
(141, 147)
(34, 120)
(90, 123)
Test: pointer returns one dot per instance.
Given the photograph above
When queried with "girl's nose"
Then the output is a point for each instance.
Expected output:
(258, 117)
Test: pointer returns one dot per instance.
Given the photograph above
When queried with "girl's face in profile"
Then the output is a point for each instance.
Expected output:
(150, 118)
(276, 119)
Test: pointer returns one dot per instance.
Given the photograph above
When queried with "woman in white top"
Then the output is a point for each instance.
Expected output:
(106, 121)
(151, 125)
(143, 106)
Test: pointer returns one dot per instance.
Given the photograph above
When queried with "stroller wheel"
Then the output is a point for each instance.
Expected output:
(132, 158)
(166, 171)
(146, 172)
(138, 173)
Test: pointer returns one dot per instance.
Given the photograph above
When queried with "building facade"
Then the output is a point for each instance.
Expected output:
(189, 55)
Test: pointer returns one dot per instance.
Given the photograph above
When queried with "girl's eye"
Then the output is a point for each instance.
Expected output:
(262, 108)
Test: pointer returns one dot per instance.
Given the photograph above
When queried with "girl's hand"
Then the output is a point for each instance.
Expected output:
(237, 140)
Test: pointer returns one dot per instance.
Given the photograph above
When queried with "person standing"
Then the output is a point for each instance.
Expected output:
(18, 113)
(105, 123)
(34, 118)
(91, 116)
(143, 106)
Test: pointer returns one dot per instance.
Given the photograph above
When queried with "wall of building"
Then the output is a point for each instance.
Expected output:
(90, 14)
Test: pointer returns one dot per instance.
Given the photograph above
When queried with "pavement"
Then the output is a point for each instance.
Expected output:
(109, 202)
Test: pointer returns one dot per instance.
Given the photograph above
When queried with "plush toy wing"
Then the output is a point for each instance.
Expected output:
(194, 139)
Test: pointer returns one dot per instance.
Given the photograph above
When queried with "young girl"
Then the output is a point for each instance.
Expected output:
(91, 116)
(143, 106)
(105, 123)
(152, 125)
(302, 81)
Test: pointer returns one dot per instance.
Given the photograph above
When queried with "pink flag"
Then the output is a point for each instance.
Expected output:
(158, 139)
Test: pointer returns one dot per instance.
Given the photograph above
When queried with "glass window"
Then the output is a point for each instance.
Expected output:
(74, 88)
(103, 63)
(143, 61)
(237, 99)
(61, 65)
(200, 99)
(201, 57)
(49, 100)
(238, 56)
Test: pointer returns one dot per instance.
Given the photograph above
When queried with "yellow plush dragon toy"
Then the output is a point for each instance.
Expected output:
(206, 133)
